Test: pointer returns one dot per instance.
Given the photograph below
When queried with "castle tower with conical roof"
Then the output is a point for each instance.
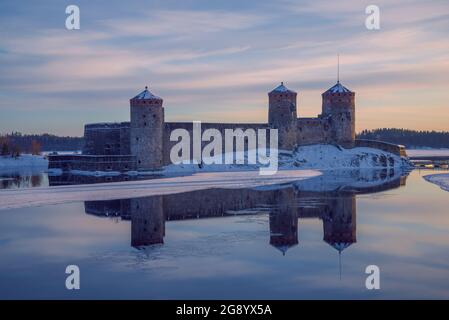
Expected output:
(282, 115)
(146, 130)
(339, 108)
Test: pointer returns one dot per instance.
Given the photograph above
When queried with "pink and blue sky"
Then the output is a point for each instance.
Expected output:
(216, 60)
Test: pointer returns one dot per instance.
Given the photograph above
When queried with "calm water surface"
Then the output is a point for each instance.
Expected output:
(311, 239)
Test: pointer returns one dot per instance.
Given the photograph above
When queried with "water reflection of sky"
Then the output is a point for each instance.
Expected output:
(403, 230)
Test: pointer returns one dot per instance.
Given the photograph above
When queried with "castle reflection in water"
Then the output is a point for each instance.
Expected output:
(331, 198)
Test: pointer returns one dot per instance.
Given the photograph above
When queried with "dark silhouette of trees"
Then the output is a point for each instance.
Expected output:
(35, 143)
(409, 138)
(4, 146)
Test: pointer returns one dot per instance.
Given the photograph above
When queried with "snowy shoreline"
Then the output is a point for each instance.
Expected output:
(300, 165)
(315, 157)
(441, 180)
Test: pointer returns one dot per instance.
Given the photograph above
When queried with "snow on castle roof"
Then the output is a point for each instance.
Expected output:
(281, 88)
(338, 88)
(146, 94)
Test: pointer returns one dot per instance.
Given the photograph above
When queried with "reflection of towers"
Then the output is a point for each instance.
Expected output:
(283, 230)
(147, 221)
(339, 225)
(336, 210)
(288, 203)
(284, 221)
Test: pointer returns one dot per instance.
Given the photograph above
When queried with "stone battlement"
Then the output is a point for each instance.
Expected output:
(385, 146)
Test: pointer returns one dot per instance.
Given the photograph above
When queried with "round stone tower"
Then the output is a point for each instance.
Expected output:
(339, 109)
(147, 125)
(282, 115)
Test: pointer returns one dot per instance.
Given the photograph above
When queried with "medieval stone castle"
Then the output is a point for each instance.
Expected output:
(144, 142)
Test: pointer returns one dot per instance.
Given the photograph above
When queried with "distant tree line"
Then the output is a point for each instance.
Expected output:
(409, 138)
(15, 143)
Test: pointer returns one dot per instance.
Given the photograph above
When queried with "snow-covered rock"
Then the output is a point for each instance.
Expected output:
(333, 157)
(323, 157)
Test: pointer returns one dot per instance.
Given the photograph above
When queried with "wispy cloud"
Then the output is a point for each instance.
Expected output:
(216, 62)
(174, 23)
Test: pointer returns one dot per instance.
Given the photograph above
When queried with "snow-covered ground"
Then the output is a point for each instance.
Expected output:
(25, 161)
(16, 198)
(441, 180)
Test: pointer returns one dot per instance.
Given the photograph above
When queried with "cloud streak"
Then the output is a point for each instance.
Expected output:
(208, 59)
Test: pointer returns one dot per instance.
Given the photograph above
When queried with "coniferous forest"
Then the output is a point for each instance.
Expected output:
(409, 138)
(16, 143)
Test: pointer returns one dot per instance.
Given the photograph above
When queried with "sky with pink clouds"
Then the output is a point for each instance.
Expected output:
(216, 60)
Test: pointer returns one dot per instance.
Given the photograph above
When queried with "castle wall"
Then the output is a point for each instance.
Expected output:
(221, 127)
(312, 131)
(85, 162)
(125, 137)
(102, 139)
(385, 146)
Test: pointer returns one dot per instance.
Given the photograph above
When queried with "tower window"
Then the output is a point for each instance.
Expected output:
(137, 138)
(145, 124)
